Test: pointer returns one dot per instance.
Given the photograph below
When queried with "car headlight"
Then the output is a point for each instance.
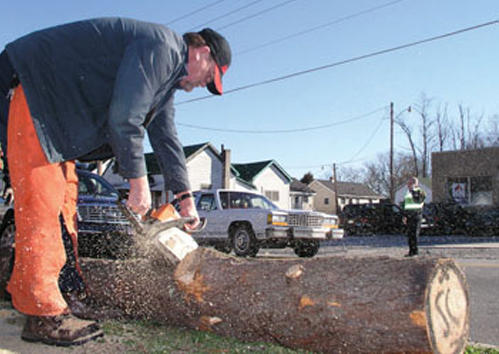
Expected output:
(276, 219)
(331, 223)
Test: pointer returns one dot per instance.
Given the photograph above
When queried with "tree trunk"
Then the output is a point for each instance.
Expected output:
(338, 304)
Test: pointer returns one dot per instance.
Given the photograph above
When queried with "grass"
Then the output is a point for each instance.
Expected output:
(150, 337)
(480, 350)
(147, 337)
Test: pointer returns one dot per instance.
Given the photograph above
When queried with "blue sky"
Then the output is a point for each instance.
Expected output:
(461, 69)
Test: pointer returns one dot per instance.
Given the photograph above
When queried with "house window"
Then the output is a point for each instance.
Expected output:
(458, 189)
(470, 190)
(305, 199)
(342, 200)
(326, 201)
(272, 195)
(481, 190)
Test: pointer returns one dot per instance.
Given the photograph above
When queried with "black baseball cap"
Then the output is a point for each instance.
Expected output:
(222, 55)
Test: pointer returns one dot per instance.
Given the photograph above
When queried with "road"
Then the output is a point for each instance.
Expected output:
(478, 257)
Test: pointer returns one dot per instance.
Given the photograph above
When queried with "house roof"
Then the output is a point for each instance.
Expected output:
(350, 189)
(190, 152)
(249, 171)
(297, 186)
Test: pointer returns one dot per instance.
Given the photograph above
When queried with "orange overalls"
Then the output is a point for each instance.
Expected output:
(42, 192)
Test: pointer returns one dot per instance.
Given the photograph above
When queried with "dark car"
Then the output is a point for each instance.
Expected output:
(103, 231)
(371, 218)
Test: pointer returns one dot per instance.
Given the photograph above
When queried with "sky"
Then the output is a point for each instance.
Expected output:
(336, 115)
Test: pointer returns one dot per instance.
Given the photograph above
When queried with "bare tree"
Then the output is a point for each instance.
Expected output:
(461, 132)
(426, 135)
(408, 133)
(443, 129)
(377, 172)
(468, 134)
(351, 174)
(491, 136)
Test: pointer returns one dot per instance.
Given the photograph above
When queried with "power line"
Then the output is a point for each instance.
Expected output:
(257, 14)
(280, 131)
(365, 144)
(353, 158)
(194, 12)
(226, 14)
(315, 28)
(347, 61)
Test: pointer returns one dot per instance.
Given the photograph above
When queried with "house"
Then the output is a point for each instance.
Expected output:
(209, 169)
(301, 195)
(424, 184)
(268, 178)
(467, 177)
(205, 167)
(348, 193)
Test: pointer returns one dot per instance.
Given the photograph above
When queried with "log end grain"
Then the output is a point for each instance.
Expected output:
(448, 309)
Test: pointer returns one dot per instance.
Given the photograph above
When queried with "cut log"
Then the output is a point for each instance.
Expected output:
(338, 304)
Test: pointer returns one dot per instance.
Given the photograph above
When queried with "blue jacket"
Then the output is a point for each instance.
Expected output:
(93, 87)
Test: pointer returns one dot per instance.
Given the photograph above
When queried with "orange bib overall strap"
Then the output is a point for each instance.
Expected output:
(42, 191)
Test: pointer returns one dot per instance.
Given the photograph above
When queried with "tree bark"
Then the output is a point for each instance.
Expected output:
(338, 304)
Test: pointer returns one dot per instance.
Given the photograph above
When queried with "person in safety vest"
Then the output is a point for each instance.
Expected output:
(87, 91)
(413, 211)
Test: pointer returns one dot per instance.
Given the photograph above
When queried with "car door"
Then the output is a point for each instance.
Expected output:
(208, 208)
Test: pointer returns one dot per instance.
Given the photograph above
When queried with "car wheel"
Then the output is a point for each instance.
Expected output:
(7, 248)
(244, 242)
(306, 248)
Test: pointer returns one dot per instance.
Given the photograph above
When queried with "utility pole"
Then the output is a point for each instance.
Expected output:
(335, 189)
(391, 153)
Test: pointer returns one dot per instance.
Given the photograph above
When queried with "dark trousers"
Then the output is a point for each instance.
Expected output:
(413, 230)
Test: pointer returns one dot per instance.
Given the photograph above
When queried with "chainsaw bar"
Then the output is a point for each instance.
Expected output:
(151, 228)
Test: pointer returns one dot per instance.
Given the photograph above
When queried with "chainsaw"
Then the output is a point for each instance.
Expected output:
(165, 228)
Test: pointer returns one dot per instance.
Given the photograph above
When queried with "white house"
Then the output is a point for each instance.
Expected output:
(301, 196)
(204, 166)
(209, 169)
(268, 178)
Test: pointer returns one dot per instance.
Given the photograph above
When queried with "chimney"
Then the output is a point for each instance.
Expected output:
(225, 168)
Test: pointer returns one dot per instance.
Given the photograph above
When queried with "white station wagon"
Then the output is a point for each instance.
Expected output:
(246, 221)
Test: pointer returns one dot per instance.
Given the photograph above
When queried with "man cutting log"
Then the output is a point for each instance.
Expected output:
(89, 90)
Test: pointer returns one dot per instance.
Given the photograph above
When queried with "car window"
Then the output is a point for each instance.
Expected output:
(92, 186)
(260, 202)
(238, 200)
(206, 202)
(242, 200)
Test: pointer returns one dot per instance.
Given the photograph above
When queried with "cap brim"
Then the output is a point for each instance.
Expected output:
(215, 87)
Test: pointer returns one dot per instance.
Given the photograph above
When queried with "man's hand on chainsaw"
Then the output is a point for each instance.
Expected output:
(188, 209)
(139, 199)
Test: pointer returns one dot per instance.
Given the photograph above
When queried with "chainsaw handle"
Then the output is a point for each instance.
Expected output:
(200, 227)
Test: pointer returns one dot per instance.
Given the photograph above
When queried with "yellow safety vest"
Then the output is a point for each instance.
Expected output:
(410, 203)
